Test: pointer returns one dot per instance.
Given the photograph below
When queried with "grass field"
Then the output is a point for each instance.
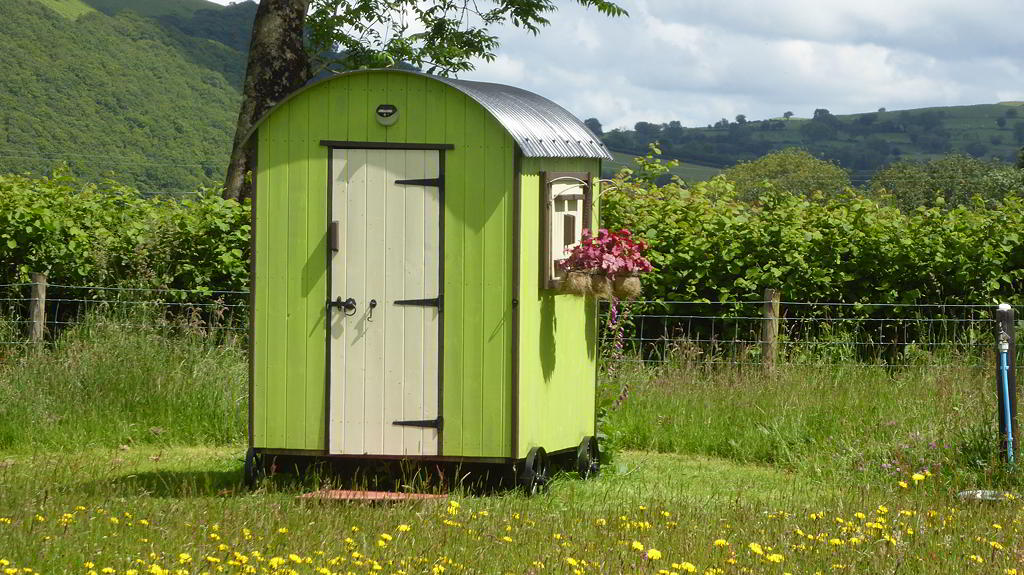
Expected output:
(688, 172)
(728, 471)
(70, 9)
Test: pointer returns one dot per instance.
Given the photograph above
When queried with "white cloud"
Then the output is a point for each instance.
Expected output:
(700, 60)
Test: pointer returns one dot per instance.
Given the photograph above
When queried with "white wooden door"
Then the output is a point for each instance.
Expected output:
(385, 225)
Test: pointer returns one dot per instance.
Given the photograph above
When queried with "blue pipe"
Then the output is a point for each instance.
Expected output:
(1004, 370)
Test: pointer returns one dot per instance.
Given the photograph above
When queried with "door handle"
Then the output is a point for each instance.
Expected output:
(373, 304)
(347, 305)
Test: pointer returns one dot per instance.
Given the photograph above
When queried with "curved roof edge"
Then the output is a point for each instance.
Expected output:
(540, 127)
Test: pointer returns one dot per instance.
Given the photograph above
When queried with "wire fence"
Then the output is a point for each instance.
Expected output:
(763, 333)
(770, 333)
(218, 313)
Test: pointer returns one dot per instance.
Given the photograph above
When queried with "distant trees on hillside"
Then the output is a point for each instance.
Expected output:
(950, 181)
(791, 170)
(861, 143)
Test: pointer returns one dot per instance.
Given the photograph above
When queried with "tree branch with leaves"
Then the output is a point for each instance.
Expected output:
(295, 40)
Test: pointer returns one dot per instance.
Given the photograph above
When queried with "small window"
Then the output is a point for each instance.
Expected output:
(567, 212)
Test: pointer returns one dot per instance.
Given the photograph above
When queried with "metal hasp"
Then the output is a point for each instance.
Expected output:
(1006, 381)
(427, 182)
(426, 302)
(437, 423)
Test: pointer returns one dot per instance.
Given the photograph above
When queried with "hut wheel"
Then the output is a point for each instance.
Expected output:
(253, 471)
(536, 472)
(588, 458)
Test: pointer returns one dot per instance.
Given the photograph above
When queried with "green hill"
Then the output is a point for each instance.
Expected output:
(143, 90)
(147, 91)
(859, 142)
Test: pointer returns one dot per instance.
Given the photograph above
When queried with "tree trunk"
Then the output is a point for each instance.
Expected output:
(278, 65)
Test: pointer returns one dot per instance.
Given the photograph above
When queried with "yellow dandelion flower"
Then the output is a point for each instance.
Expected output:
(601, 521)
(917, 477)
(976, 559)
(282, 530)
(653, 554)
(756, 548)
(506, 539)
(638, 546)
(404, 527)
(572, 561)
(996, 545)
(903, 484)
(688, 567)
(184, 558)
(720, 543)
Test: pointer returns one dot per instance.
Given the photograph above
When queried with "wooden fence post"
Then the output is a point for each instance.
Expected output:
(1006, 382)
(37, 308)
(770, 328)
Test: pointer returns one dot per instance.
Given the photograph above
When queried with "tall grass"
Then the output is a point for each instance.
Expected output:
(863, 422)
(120, 379)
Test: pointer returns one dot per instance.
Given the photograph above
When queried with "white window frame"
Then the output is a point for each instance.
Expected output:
(564, 195)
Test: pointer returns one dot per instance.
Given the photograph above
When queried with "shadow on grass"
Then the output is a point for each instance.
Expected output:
(173, 484)
(295, 479)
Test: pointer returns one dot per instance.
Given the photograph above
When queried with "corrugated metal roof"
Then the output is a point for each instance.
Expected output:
(542, 128)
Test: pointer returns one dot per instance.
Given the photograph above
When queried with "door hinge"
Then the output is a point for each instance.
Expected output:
(432, 182)
(434, 423)
(428, 302)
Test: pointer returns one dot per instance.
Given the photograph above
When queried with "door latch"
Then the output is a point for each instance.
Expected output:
(347, 305)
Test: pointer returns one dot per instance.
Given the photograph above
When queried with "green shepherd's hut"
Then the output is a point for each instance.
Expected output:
(405, 286)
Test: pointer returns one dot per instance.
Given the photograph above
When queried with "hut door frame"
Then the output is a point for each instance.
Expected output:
(385, 240)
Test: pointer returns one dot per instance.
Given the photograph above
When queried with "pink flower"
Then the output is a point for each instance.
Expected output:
(610, 253)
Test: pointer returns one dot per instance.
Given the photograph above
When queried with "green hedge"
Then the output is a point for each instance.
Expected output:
(706, 244)
(109, 235)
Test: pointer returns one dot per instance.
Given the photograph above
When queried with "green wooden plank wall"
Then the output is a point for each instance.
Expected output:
(557, 332)
(290, 257)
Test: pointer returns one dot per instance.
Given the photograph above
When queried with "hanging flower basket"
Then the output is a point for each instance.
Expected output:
(577, 283)
(601, 286)
(628, 287)
(606, 266)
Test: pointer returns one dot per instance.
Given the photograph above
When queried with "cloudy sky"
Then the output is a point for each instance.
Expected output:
(697, 61)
